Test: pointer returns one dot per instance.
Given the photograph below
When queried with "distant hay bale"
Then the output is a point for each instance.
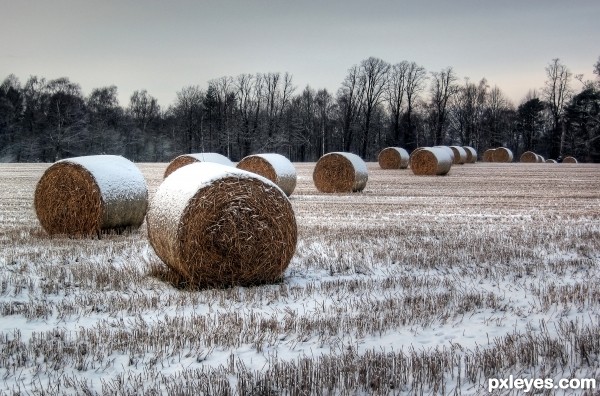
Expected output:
(83, 196)
(570, 160)
(540, 159)
(274, 167)
(471, 154)
(340, 172)
(503, 154)
(431, 161)
(219, 226)
(187, 159)
(460, 155)
(551, 161)
(448, 150)
(393, 158)
(529, 157)
(488, 155)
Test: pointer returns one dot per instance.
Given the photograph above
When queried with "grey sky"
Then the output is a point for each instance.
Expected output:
(163, 46)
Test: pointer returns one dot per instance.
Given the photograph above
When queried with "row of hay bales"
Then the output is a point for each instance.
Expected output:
(531, 157)
(498, 154)
(435, 160)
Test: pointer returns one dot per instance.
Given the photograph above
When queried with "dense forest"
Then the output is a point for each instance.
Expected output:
(377, 105)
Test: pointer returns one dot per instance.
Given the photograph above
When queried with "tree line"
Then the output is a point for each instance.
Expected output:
(377, 105)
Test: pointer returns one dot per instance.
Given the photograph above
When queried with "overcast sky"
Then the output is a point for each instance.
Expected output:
(163, 46)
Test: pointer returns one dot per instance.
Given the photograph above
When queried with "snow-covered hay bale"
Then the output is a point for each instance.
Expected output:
(448, 150)
(218, 226)
(488, 155)
(460, 155)
(503, 154)
(340, 172)
(529, 157)
(471, 154)
(83, 196)
(187, 159)
(570, 160)
(551, 161)
(431, 161)
(274, 167)
(540, 159)
(393, 158)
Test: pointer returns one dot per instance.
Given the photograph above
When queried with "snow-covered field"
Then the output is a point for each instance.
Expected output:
(418, 285)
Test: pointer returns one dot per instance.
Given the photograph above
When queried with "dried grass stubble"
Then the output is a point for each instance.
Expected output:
(234, 232)
(68, 201)
(179, 162)
(334, 173)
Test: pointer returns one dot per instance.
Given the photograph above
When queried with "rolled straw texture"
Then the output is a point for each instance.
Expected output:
(274, 167)
(393, 158)
(340, 172)
(219, 226)
(187, 159)
(431, 161)
(471, 154)
(503, 154)
(460, 155)
(570, 160)
(488, 155)
(83, 196)
(529, 157)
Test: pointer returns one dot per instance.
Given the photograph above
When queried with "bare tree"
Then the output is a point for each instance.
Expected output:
(189, 110)
(249, 94)
(416, 76)
(350, 99)
(373, 75)
(394, 95)
(557, 93)
(443, 87)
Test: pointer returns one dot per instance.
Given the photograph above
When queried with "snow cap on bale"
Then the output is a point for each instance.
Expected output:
(551, 161)
(488, 155)
(471, 154)
(274, 167)
(84, 195)
(340, 172)
(460, 155)
(540, 159)
(502, 154)
(529, 156)
(393, 158)
(431, 161)
(187, 159)
(569, 160)
(219, 226)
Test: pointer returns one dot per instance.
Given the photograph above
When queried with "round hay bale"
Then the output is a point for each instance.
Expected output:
(431, 161)
(488, 155)
(340, 172)
(502, 154)
(274, 167)
(448, 150)
(83, 196)
(187, 159)
(529, 157)
(219, 226)
(541, 159)
(551, 161)
(460, 155)
(570, 160)
(471, 154)
(393, 158)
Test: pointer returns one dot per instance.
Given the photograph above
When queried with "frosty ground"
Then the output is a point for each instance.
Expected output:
(418, 285)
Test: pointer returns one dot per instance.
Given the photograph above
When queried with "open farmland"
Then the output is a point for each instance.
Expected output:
(417, 285)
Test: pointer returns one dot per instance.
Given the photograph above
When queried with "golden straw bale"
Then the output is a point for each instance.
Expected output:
(393, 158)
(274, 167)
(460, 155)
(503, 154)
(187, 159)
(471, 154)
(569, 160)
(218, 226)
(529, 157)
(488, 155)
(83, 196)
(340, 172)
(431, 161)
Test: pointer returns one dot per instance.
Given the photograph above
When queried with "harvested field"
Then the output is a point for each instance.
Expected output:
(413, 286)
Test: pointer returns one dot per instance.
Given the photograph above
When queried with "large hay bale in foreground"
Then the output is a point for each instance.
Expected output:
(393, 158)
(569, 160)
(187, 159)
(83, 196)
(219, 226)
(274, 167)
(340, 172)
(488, 155)
(529, 157)
(431, 161)
(502, 154)
(460, 155)
(471, 154)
